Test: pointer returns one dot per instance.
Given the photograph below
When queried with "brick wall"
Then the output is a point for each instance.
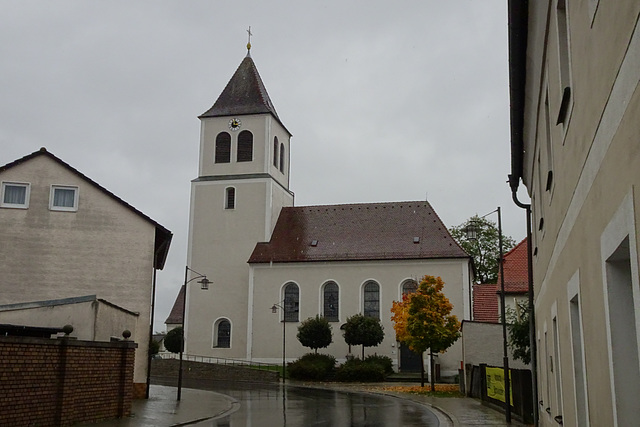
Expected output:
(63, 381)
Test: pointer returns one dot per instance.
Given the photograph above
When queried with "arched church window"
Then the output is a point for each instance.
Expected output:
(245, 146)
(291, 302)
(222, 334)
(330, 300)
(282, 158)
(223, 148)
(372, 299)
(230, 198)
(275, 151)
(409, 287)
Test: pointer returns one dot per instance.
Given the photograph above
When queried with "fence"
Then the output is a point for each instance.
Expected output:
(64, 381)
(485, 384)
(261, 366)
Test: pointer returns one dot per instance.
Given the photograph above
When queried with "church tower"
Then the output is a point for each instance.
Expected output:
(242, 184)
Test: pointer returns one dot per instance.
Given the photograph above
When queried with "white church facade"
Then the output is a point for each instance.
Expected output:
(258, 249)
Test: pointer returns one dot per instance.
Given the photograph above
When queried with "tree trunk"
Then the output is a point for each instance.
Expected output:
(363, 352)
(433, 370)
(422, 369)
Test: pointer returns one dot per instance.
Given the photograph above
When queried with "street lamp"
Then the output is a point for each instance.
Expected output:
(472, 230)
(204, 285)
(274, 309)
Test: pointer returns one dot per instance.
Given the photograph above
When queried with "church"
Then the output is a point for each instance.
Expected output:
(273, 264)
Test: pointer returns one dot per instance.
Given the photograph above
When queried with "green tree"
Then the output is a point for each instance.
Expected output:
(423, 320)
(173, 340)
(484, 249)
(518, 325)
(315, 333)
(364, 331)
(154, 347)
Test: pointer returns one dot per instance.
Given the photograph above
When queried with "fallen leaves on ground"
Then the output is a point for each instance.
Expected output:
(440, 389)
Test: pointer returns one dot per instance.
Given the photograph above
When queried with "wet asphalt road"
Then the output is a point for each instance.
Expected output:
(272, 405)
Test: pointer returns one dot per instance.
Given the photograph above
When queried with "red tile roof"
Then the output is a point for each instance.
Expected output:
(516, 277)
(175, 316)
(371, 231)
(485, 303)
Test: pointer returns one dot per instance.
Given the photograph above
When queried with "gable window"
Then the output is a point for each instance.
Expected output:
(222, 334)
(409, 287)
(63, 198)
(275, 151)
(282, 158)
(330, 297)
(245, 146)
(291, 302)
(372, 300)
(15, 195)
(223, 148)
(230, 198)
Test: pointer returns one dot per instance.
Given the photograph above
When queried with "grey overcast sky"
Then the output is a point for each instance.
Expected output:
(387, 101)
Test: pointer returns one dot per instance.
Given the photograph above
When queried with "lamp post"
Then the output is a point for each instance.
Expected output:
(472, 230)
(204, 285)
(274, 309)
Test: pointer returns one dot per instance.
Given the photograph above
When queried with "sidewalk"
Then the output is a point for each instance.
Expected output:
(198, 406)
(162, 409)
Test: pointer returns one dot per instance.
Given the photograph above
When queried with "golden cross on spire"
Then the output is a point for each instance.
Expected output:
(249, 42)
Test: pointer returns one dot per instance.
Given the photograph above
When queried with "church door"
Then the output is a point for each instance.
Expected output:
(409, 361)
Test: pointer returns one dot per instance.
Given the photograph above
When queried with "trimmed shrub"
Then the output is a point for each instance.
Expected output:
(313, 367)
(357, 370)
(384, 362)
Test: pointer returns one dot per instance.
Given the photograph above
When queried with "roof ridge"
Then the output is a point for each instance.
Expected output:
(361, 204)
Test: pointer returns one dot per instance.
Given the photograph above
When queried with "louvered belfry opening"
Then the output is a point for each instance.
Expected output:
(223, 148)
(245, 146)
(282, 158)
(275, 151)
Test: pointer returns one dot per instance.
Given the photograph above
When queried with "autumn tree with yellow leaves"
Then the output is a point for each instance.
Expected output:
(423, 320)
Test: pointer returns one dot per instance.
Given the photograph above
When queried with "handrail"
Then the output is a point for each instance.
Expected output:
(223, 361)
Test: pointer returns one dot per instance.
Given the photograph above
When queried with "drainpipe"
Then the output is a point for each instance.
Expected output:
(153, 309)
(513, 183)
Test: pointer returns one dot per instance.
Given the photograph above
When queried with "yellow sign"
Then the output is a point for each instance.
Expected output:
(495, 384)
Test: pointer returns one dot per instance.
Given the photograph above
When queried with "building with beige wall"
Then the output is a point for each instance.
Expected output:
(574, 72)
(92, 318)
(258, 249)
(64, 236)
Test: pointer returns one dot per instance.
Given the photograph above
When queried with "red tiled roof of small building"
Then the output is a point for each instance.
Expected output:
(516, 276)
(371, 231)
(175, 316)
(485, 303)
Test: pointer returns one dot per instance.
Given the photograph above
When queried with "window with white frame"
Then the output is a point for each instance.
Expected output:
(15, 195)
(291, 302)
(330, 296)
(222, 334)
(63, 198)
(371, 299)
(409, 286)
(230, 198)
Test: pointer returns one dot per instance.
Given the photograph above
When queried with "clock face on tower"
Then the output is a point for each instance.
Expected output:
(234, 124)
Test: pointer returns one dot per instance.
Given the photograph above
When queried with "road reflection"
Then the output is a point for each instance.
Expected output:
(275, 405)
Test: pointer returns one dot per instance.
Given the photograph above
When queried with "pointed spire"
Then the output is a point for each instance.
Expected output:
(244, 94)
